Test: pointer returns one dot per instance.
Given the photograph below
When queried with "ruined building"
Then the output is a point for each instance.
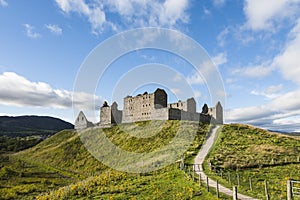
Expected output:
(154, 106)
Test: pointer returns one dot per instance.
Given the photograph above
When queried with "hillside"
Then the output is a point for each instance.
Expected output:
(31, 125)
(62, 164)
(61, 168)
(248, 152)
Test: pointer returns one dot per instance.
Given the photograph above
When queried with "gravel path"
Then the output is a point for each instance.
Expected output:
(211, 138)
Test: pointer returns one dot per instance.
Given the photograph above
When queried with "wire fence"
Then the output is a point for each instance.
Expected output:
(254, 186)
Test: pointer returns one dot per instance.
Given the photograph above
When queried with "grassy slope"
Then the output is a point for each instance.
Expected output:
(249, 151)
(64, 157)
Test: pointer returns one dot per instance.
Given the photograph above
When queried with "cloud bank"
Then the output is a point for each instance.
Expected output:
(132, 13)
(15, 90)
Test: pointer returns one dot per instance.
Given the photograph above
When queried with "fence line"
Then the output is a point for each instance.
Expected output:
(295, 188)
(278, 161)
(238, 180)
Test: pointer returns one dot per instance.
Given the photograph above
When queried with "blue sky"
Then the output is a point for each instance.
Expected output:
(254, 43)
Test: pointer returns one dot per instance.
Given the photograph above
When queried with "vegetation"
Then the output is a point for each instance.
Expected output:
(23, 126)
(169, 183)
(247, 152)
(62, 165)
(24, 180)
(14, 144)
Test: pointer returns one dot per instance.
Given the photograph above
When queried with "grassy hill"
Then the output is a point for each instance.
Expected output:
(247, 152)
(63, 166)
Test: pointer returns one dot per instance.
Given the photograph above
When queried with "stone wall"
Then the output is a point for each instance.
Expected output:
(138, 108)
(81, 122)
(160, 99)
(176, 114)
(116, 115)
(189, 105)
(154, 106)
(160, 114)
(217, 113)
(105, 115)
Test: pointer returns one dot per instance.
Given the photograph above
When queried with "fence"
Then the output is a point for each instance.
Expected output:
(249, 163)
(293, 189)
(249, 185)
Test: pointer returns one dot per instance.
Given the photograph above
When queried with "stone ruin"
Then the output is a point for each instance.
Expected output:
(152, 106)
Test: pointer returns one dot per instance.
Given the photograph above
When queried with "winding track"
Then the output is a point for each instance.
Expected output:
(211, 138)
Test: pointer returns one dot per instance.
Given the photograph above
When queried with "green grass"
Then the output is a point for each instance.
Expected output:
(61, 168)
(21, 179)
(169, 183)
(246, 152)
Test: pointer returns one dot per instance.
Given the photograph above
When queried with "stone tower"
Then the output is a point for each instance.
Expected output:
(217, 113)
(110, 114)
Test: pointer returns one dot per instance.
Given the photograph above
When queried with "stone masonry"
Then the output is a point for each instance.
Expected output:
(154, 106)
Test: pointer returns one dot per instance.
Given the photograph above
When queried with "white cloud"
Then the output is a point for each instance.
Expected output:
(206, 11)
(177, 78)
(55, 29)
(257, 71)
(175, 91)
(195, 78)
(270, 92)
(280, 108)
(30, 31)
(264, 14)
(134, 13)
(204, 73)
(288, 61)
(94, 12)
(173, 10)
(221, 38)
(220, 59)
(3, 3)
(5, 114)
(16, 90)
(197, 94)
(219, 3)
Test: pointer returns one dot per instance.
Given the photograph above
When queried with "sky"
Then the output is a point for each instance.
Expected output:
(254, 44)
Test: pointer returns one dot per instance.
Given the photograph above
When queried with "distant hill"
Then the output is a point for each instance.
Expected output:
(286, 133)
(23, 126)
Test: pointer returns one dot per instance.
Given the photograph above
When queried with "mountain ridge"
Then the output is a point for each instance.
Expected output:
(27, 125)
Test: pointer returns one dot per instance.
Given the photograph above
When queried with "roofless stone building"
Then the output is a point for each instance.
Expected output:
(153, 106)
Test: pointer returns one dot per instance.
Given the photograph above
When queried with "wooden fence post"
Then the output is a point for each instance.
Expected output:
(217, 189)
(200, 179)
(250, 184)
(298, 159)
(238, 179)
(207, 184)
(289, 190)
(235, 196)
(229, 178)
(194, 176)
(266, 191)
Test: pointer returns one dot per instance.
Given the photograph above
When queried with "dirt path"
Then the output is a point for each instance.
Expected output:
(211, 138)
